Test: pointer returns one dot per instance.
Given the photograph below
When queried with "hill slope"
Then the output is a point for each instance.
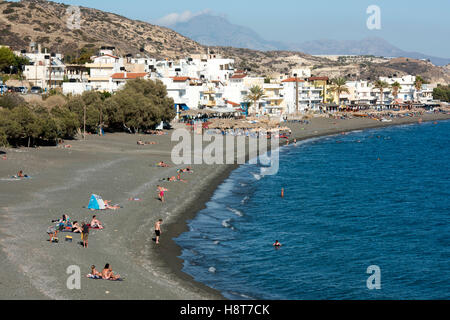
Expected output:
(46, 23)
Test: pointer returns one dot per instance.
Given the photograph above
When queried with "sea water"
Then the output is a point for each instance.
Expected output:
(370, 198)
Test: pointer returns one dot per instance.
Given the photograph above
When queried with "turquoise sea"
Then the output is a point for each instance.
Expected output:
(377, 197)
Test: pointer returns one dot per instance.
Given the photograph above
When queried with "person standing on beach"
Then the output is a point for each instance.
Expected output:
(85, 234)
(161, 191)
(158, 230)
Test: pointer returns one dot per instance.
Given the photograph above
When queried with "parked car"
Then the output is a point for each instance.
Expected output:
(36, 90)
(22, 90)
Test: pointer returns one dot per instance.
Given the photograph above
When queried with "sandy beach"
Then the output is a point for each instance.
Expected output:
(116, 168)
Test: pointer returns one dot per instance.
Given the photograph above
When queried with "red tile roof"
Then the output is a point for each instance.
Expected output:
(318, 78)
(115, 57)
(182, 79)
(293, 80)
(238, 76)
(232, 103)
(129, 75)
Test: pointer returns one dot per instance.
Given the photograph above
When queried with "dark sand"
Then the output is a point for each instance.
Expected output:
(116, 168)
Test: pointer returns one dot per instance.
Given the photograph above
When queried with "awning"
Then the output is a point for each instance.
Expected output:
(182, 106)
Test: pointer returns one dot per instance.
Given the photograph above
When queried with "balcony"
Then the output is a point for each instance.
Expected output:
(100, 65)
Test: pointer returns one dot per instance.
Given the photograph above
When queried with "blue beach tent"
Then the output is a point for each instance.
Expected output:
(96, 203)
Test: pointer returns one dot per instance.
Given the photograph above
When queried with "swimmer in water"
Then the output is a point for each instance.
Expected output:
(277, 244)
(282, 192)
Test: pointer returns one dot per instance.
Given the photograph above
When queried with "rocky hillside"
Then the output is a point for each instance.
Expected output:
(45, 22)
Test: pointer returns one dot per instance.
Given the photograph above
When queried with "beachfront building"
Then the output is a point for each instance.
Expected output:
(140, 64)
(102, 68)
(45, 70)
(309, 96)
(185, 92)
(360, 93)
(322, 83)
(273, 95)
(120, 79)
(426, 94)
(406, 92)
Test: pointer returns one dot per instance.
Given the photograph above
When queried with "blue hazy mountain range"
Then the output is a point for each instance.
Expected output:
(213, 30)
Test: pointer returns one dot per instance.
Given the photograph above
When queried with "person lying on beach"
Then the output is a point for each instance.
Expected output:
(95, 223)
(163, 165)
(108, 206)
(20, 174)
(94, 273)
(188, 170)
(108, 274)
(173, 179)
(76, 228)
(151, 142)
(139, 142)
(134, 199)
(4, 158)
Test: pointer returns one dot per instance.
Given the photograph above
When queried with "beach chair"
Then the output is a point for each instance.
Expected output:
(69, 238)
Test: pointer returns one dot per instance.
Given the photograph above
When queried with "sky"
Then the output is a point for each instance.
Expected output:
(411, 25)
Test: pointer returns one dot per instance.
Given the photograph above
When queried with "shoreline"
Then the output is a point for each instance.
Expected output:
(180, 225)
(116, 168)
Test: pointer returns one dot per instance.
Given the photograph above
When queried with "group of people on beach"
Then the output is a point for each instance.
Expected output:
(106, 274)
(66, 225)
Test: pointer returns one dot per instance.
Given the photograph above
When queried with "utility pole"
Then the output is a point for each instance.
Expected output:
(296, 93)
(50, 74)
(84, 122)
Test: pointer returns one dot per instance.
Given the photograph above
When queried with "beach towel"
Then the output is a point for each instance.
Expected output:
(90, 276)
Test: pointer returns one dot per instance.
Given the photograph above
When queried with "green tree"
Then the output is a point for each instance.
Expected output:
(141, 105)
(339, 87)
(66, 122)
(395, 88)
(418, 83)
(11, 100)
(28, 121)
(255, 94)
(7, 59)
(381, 85)
(442, 93)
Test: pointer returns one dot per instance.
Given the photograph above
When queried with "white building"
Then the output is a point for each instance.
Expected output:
(45, 70)
(407, 91)
(102, 68)
(309, 96)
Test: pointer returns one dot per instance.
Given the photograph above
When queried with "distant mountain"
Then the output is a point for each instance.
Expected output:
(209, 29)
(368, 46)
